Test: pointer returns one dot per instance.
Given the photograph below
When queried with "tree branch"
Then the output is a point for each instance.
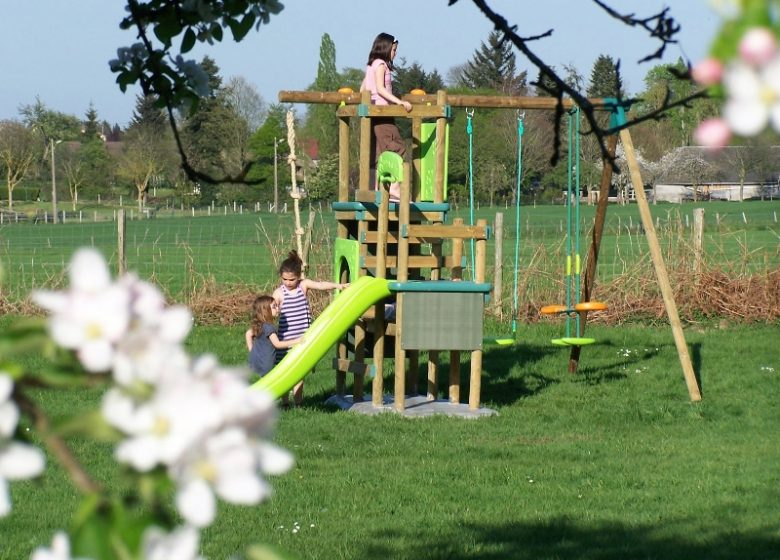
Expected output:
(81, 479)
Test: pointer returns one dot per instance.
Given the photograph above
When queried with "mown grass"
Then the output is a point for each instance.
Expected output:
(611, 463)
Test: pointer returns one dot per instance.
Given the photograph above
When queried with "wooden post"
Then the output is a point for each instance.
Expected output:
(343, 163)
(476, 355)
(379, 309)
(455, 274)
(660, 267)
(498, 267)
(441, 136)
(416, 182)
(365, 146)
(402, 274)
(698, 240)
(595, 244)
(121, 253)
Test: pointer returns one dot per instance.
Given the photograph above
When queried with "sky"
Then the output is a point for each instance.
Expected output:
(58, 50)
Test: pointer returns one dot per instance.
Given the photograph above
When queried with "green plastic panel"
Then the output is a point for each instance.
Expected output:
(346, 251)
(428, 160)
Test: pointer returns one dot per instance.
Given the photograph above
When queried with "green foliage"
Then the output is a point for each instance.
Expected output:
(91, 125)
(321, 122)
(148, 114)
(493, 66)
(261, 145)
(605, 79)
(52, 125)
(322, 185)
(415, 77)
(179, 82)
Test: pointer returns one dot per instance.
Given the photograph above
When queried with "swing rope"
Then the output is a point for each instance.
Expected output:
(572, 272)
(470, 133)
(515, 299)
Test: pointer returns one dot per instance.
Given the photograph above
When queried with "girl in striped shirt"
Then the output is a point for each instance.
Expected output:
(295, 313)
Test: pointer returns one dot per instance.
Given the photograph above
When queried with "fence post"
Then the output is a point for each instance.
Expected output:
(122, 256)
(698, 239)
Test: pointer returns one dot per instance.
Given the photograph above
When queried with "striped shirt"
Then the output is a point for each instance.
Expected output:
(294, 317)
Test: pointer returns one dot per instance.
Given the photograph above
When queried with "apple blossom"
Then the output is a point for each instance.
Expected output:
(707, 72)
(60, 549)
(181, 544)
(224, 465)
(712, 133)
(17, 461)
(9, 413)
(758, 46)
(753, 97)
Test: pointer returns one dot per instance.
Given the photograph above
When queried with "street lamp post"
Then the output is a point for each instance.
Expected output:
(277, 141)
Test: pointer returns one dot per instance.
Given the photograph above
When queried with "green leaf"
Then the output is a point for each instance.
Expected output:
(91, 424)
(188, 41)
(216, 31)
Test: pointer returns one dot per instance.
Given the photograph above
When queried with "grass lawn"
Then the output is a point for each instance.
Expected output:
(611, 463)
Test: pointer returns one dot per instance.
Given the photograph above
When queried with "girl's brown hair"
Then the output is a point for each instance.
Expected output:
(292, 263)
(383, 45)
(261, 313)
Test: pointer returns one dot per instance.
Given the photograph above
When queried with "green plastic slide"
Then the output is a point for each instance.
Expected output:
(323, 333)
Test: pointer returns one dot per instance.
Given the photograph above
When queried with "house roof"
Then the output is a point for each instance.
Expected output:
(731, 165)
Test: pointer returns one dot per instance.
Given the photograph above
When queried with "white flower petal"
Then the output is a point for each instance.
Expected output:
(247, 489)
(6, 386)
(60, 549)
(196, 503)
(273, 460)
(5, 498)
(9, 418)
(742, 82)
(88, 271)
(19, 461)
(745, 118)
(181, 544)
(96, 355)
(176, 323)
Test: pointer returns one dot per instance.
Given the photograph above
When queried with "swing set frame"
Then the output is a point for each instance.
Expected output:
(440, 104)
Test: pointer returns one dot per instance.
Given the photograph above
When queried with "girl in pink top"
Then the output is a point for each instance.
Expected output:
(377, 80)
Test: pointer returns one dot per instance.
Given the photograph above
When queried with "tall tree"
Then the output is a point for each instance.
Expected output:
(209, 134)
(605, 78)
(412, 77)
(19, 149)
(267, 142)
(91, 124)
(494, 66)
(321, 122)
(148, 114)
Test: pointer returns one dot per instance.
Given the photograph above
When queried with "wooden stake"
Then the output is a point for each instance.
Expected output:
(660, 267)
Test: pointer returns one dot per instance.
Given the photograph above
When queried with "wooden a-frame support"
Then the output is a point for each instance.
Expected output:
(655, 253)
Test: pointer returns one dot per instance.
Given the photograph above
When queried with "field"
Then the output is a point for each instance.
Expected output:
(243, 248)
(612, 463)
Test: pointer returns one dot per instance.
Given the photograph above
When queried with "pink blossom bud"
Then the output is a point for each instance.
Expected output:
(713, 134)
(758, 46)
(707, 72)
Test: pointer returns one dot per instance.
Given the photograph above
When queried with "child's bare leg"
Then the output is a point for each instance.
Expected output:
(395, 191)
(298, 394)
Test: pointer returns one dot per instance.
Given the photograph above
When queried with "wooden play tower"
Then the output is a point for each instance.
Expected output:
(435, 309)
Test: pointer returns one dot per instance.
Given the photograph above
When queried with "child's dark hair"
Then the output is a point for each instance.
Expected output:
(261, 313)
(292, 263)
(383, 45)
